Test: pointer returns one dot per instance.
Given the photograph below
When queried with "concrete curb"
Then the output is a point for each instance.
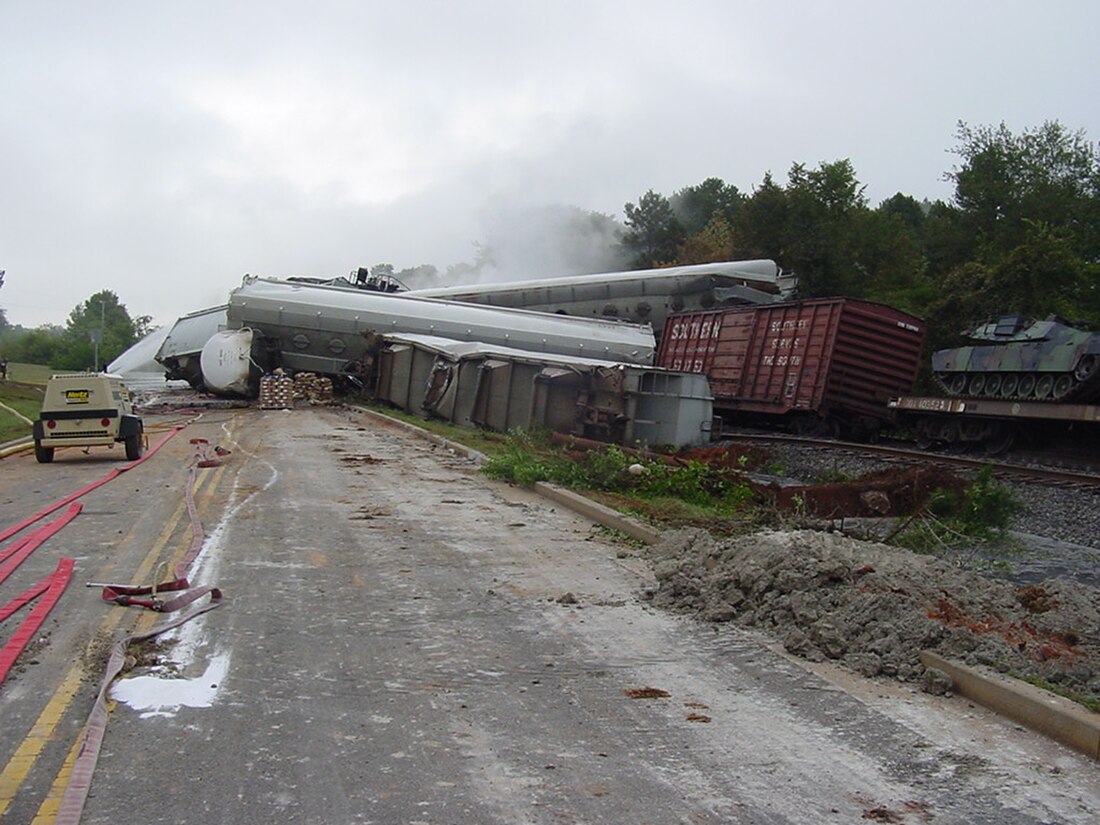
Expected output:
(1038, 709)
(598, 513)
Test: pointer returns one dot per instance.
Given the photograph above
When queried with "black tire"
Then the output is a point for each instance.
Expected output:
(134, 447)
(43, 454)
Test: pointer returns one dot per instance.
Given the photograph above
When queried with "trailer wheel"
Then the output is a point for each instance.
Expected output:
(43, 454)
(133, 447)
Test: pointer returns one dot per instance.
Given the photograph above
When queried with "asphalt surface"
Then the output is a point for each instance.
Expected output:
(406, 642)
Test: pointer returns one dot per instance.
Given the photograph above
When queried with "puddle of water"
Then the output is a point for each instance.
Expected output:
(159, 696)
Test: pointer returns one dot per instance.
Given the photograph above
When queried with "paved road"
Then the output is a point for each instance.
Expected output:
(404, 642)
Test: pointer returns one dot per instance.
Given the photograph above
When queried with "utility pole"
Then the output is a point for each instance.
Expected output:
(99, 334)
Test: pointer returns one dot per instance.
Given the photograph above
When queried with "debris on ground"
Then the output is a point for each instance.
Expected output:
(889, 492)
(646, 693)
(874, 608)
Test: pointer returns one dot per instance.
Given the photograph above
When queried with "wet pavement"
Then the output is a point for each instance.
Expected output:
(405, 642)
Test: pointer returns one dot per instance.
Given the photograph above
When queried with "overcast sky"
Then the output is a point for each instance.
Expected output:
(162, 150)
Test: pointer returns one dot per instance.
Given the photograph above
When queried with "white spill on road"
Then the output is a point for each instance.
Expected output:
(158, 696)
(162, 695)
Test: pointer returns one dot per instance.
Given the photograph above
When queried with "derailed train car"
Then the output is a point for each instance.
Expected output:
(181, 351)
(825, 366)
(333, 331)
(499, 388)
(639, 296)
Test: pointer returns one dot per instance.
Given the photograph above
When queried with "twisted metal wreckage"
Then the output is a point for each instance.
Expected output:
(573, 354)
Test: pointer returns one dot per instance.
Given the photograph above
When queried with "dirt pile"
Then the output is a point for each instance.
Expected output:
(874, 608)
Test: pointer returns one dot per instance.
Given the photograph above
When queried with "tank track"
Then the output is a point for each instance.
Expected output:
(1080, 386)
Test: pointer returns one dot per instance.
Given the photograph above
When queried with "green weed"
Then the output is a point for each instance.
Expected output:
(971, 530)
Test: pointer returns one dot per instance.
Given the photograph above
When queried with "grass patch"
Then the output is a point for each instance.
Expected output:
(1065, 693)
(688, 493)
(29, 374)
(24, 397)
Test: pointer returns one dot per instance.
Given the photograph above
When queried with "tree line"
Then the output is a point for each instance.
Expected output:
(99, 326)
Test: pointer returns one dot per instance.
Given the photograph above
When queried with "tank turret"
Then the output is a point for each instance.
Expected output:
(1019, 358)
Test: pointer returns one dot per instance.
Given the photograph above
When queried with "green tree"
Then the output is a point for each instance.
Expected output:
(1041, 276)
(715, 242)
(35, 346)
(654, 233)
(813, 226)
(760, 225)
(695, 206)
(1006, 182)
(822, 243)
(101, 315)
(890, 265)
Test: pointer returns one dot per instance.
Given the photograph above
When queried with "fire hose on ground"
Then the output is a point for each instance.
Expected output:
(50, 590)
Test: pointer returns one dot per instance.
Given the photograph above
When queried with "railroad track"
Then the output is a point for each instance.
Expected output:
(1005, 470)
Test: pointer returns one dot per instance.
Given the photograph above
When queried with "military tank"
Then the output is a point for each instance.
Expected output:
(1019, 358)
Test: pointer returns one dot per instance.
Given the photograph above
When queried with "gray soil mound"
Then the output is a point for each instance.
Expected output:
(874, 608)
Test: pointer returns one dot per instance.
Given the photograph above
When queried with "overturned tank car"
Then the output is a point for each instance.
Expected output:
(1019, 358)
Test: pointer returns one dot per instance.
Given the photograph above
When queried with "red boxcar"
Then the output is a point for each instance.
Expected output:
(827, 364)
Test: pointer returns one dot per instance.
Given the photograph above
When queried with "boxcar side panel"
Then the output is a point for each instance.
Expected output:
(831, 356)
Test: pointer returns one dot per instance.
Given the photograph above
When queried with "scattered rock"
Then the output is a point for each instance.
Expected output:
(936, 682)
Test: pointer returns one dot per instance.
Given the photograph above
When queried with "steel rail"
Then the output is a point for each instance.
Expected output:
(1000, 469)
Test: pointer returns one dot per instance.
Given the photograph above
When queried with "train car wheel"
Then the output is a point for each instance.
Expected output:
(1000, 439)
(924, 429)
(805, 425)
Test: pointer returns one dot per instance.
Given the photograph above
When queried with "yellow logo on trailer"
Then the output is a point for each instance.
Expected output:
(77, 396)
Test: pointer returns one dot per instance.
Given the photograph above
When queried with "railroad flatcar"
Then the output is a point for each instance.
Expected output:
(826, 366)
